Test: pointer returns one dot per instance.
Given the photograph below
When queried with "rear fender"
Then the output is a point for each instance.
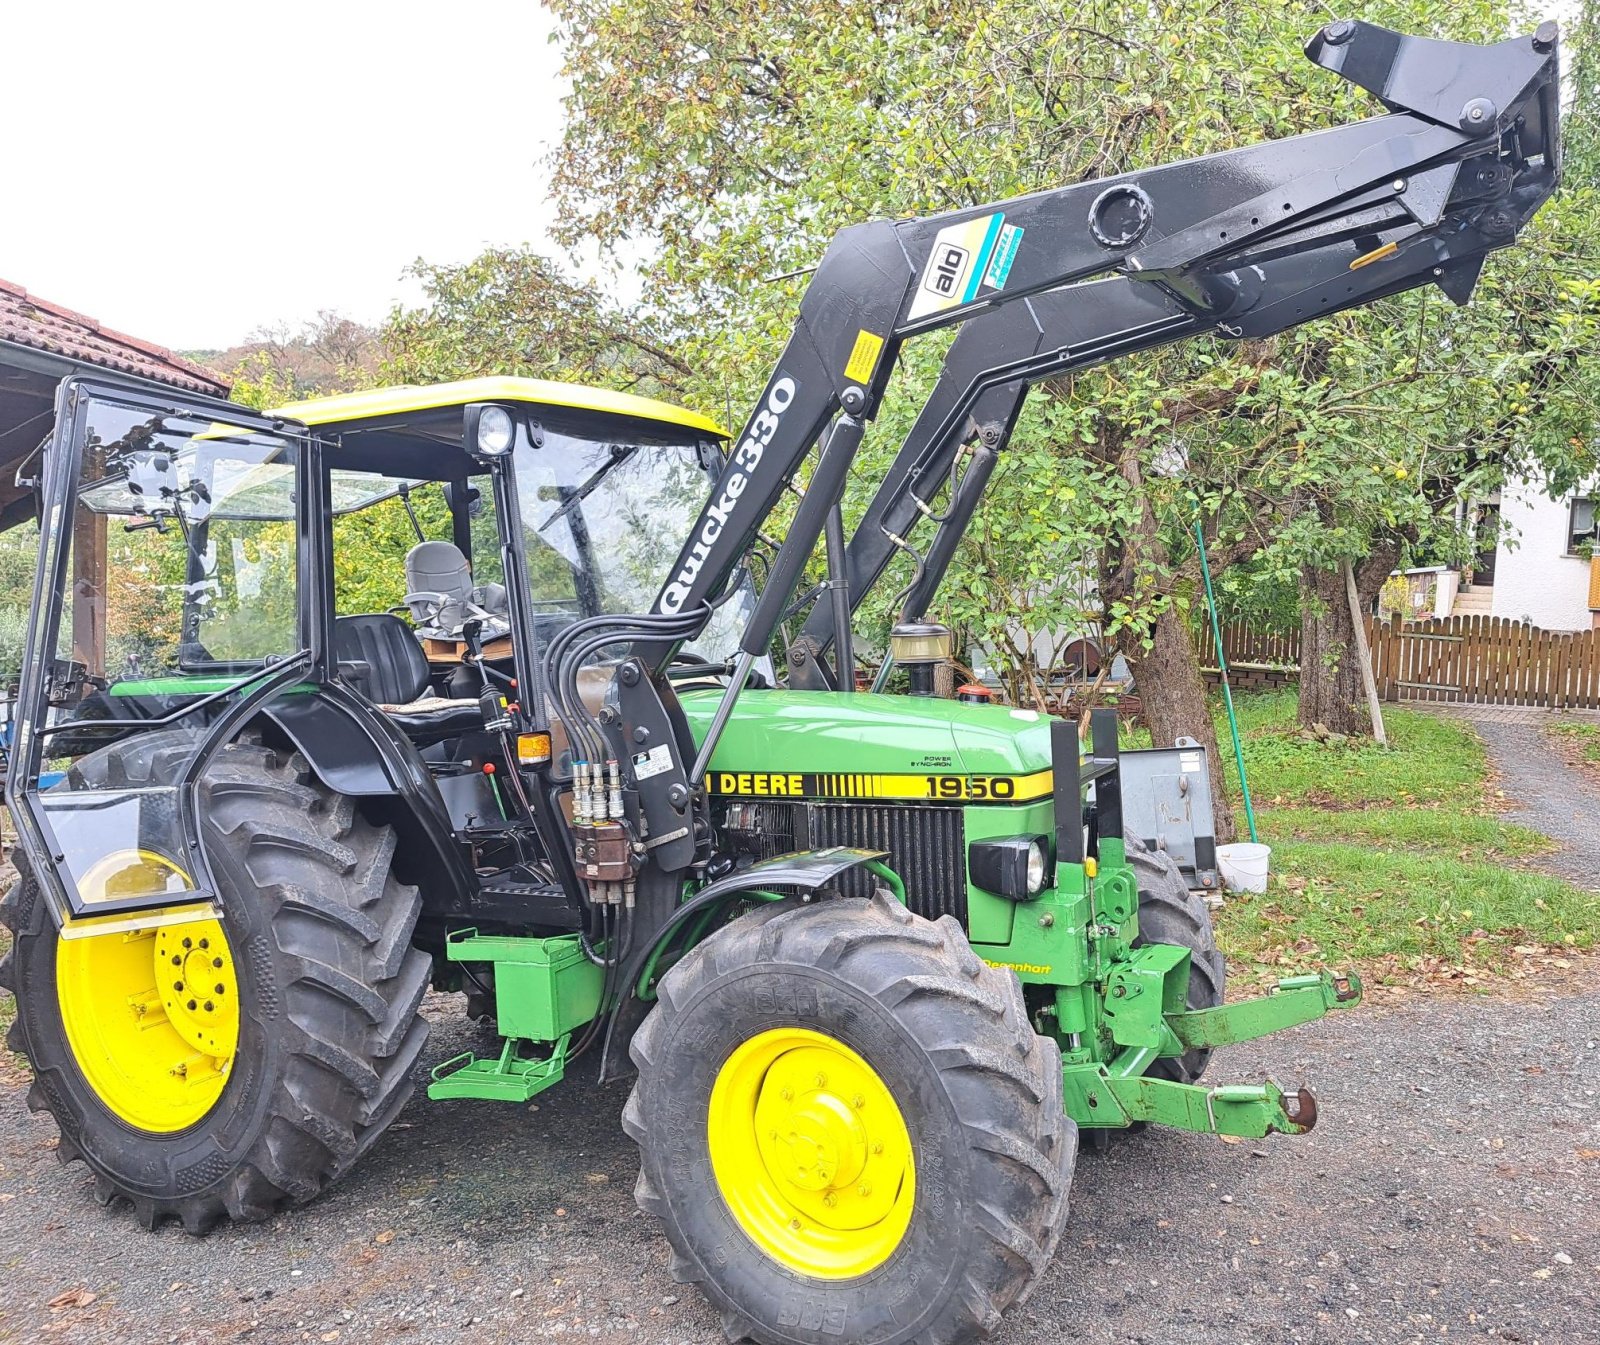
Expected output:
(354, 750)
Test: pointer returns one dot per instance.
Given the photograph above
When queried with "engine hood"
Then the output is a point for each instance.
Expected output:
(815, 732)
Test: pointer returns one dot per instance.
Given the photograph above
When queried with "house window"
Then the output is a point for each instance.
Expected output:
(1580, 524)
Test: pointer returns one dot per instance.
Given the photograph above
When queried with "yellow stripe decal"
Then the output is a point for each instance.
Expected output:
(936, 787)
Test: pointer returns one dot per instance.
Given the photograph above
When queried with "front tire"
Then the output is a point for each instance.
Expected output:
(849, 1129)
(318, 966)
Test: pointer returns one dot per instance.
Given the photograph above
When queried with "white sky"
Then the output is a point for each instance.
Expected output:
(187, 171)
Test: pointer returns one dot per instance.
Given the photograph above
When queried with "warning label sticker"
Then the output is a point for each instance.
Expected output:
(863, 356)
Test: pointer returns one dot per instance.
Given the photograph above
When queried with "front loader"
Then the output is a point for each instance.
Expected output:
(876, 959)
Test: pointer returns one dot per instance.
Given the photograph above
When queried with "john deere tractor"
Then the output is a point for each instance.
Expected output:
(877, 957)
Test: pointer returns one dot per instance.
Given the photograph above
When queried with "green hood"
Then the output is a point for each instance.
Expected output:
(829, 731)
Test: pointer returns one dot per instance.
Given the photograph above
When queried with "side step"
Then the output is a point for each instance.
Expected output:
(544, 988)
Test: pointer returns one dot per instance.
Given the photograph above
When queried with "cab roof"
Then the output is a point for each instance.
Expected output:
(405, 399)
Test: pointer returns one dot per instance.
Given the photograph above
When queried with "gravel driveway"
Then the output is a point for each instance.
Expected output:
(1449, 1194)
(1543, 792)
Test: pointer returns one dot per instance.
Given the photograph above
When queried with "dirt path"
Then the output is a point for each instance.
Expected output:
(1448, 1194)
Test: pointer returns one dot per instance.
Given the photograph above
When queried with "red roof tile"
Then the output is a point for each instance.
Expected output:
(27, 320)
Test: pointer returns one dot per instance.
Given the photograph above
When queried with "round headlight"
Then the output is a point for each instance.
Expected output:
(496, 432)
(1035, 867)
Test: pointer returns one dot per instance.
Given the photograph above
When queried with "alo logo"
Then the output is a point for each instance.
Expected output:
(946, 269)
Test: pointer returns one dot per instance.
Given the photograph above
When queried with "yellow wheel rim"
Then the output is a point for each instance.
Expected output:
(151, 1015)
(811, 1153)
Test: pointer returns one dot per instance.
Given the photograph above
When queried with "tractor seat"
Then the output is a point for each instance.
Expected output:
(442, 598)
(381, 658)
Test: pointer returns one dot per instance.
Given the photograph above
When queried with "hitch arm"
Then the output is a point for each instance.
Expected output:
(1295, 1000)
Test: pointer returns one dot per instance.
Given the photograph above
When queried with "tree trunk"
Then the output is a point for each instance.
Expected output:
(1167, 675)
(1330, 673)
(1173, 695)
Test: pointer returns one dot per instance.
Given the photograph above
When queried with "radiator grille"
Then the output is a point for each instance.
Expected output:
(926, 844)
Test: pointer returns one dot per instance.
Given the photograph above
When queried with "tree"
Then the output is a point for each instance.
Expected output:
(281, 363)
(512, 311)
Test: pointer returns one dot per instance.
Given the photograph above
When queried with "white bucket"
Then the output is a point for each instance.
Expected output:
(1244, 866)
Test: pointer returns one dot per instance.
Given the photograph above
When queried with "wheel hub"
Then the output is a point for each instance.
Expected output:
(811, 1153)
(194, 972)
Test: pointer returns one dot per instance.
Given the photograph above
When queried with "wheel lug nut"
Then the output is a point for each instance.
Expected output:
(177, 985)
(191, 1005)
(788, 1095)
(216, 962)
(830, 1199)
(176, 960)
(822, 1080)
(210, 1006)
(219, 988)
(794, 1224)
(877, 1148)
(205, 943)
(863, 1190)
(858, 1102)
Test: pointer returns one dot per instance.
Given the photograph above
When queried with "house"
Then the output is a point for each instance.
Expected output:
(1542, 568)
(40, 344)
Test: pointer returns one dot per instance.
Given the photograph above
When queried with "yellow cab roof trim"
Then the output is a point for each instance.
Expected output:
(376, 403)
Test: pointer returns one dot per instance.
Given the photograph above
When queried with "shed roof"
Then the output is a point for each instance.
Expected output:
(27, 320)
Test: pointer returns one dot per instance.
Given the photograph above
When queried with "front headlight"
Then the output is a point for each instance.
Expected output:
(1035, 868)
(1012, 867)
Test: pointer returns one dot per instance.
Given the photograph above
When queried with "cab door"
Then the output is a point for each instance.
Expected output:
(173, 595)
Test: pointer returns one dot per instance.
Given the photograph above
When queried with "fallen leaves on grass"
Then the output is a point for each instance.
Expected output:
(71, 1298)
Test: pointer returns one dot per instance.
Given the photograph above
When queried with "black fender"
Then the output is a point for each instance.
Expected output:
(804, 871)
(354, 750)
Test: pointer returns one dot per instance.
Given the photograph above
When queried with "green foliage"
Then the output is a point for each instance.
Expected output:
(369, 549)
(19, 550)
(282, 364)
(511, 311)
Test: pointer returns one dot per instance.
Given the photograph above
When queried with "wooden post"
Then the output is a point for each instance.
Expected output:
(89, 591)
(1364, 654)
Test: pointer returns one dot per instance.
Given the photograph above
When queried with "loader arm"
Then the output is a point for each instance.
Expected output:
(1244, 242)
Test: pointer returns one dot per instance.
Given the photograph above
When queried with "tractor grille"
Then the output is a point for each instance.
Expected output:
(926, 844)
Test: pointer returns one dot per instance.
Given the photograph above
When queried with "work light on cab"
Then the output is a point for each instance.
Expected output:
(490, 430)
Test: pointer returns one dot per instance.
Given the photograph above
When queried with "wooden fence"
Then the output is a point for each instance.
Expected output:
(1246, 645)
(1468, 658)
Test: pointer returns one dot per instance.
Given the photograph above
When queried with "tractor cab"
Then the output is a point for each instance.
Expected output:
(205, 564)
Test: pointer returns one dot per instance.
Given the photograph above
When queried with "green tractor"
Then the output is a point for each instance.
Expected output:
(876, 957)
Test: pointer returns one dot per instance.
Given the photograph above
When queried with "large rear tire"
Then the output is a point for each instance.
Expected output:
(849, 1129)
(316, 1058)
(1170, 913)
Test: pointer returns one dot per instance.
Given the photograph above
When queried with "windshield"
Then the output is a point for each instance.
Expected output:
(603, 521)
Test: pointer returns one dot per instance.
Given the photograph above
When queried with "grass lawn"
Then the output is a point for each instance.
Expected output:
(1582, 735)
(1391, 858)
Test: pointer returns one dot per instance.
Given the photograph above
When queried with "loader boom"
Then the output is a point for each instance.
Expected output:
(1242, 243)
